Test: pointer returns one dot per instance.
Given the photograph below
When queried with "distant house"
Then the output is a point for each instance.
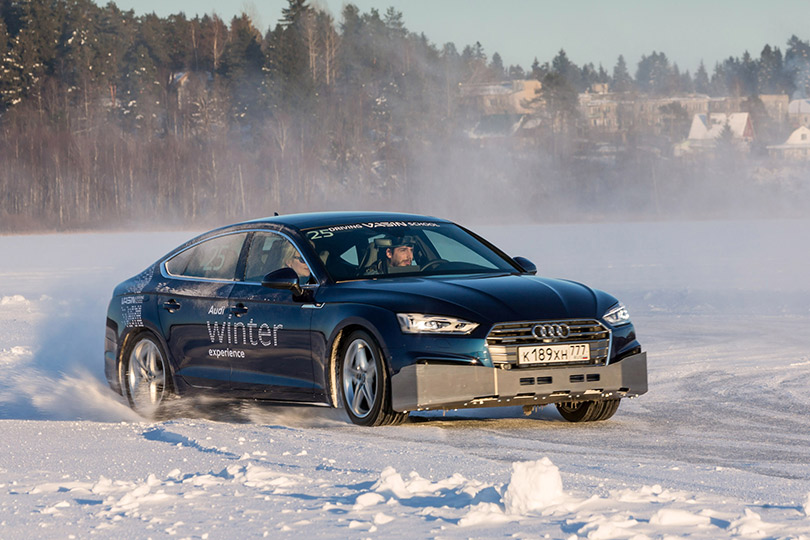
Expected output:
(706, 129)
(709, 127)
(799, 112)
(797, 146)
(606, 112)
(497, 125)
(776, 105)
(498, 110)
(509, 97)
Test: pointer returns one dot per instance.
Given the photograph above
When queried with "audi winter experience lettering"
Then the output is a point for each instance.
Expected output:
(226, 353)
(266, 335)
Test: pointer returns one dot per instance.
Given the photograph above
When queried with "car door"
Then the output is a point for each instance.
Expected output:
(271, 327)
(194, 310)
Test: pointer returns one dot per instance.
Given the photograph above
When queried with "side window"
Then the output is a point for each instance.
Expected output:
(213, 259)
(350, 256)
(270, 252)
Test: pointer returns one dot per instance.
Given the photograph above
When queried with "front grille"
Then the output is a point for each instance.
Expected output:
(505, 338)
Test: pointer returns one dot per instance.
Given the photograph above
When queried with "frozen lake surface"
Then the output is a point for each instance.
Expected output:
(718, 448)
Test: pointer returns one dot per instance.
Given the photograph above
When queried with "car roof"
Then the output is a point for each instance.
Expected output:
(327, 219)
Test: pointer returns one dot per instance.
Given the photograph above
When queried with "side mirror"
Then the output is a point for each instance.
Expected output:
(284, 279)
(528, 266)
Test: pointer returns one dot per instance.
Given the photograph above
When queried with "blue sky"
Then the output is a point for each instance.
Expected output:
(688, 31)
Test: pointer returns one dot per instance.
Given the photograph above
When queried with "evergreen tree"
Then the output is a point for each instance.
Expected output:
(702, 85)
(9, 91)
(797, 62)
(475, 63)
(749, 76)
(622, 81)
(394, 23)
(770, 72)
(654, 75)
(146, 78)
(687, 84)
(496, 67)
(569, 71)
(538, 71)
(213, 36)
(116, 35)
(295, 55)
(291, 14)
(80, 64)
(516, 73)
(242, 63)
(351, 54)
(718, 86)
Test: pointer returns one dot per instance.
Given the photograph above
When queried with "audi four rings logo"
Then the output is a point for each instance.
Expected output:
(543, 331)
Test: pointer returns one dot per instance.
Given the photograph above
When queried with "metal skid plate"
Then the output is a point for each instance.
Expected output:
(426, 386)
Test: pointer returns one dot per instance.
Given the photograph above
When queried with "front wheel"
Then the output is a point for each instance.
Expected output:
(145, 374)
(365, 390)
(588, 411)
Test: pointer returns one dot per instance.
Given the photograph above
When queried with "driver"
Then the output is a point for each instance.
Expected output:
(401, 252)
(398, 254)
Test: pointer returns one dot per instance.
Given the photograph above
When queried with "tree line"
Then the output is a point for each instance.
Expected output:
(108, 118)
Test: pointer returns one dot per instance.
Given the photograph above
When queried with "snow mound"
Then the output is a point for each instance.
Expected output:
(751, 525)
(14, 354)
(484, 514)
(608, 527)
(455, 491)
(681, 518)
(534, 486)
(14, 300)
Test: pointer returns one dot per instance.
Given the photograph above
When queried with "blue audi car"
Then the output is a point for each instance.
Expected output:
(378, 313)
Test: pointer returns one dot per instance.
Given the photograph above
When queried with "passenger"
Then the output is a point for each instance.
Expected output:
(292, 259)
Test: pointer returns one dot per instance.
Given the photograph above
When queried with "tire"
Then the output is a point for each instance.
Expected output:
(146, 379)
(365, 391)
(588, 411)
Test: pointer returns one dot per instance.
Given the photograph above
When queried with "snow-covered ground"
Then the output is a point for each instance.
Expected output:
(718, 448)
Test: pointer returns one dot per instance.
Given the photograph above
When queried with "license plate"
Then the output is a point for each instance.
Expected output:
(550, 354)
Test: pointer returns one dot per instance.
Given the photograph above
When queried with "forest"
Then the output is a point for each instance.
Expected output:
(114, 120)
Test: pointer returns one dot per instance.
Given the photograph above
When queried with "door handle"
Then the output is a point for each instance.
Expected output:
(171, 306)
(239, 309)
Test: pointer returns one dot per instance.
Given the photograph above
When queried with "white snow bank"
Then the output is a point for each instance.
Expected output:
(14, 354)
(14, 300)
(534, 486)
(751, 525)
(675, 517)
(455, 491)
(602, 527)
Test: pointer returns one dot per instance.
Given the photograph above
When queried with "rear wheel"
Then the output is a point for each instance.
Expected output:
(588, 411)
(145, 376)
(365, 389)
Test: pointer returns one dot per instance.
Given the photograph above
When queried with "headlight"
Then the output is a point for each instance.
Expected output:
(418, 323)
(617, 315)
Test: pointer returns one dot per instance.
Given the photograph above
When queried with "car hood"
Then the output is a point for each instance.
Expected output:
(481, 298)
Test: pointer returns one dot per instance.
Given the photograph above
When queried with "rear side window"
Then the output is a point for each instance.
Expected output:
(213, 259)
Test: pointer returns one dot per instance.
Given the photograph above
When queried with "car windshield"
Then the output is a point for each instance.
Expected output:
(393, 249)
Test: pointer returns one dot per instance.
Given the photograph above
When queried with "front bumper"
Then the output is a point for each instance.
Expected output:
(422, 387)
